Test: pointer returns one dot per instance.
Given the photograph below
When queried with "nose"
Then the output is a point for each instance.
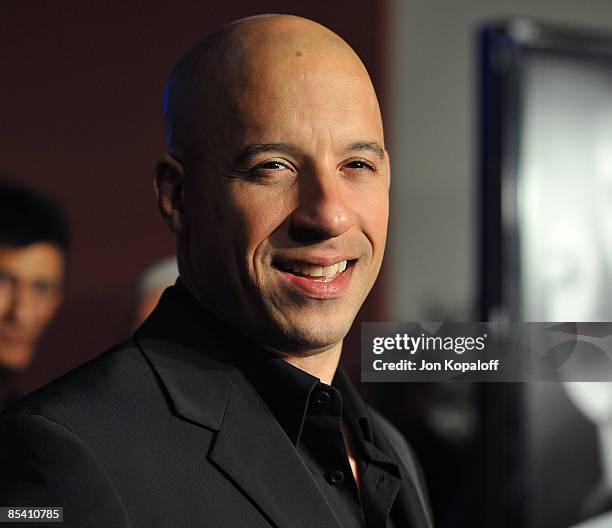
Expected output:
(325, 209)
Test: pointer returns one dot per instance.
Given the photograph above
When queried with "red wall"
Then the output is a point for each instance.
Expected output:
(81, 90)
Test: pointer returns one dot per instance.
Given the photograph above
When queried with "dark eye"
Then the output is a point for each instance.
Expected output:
(270, 171)
(271, 165)
(360, 165)
(43, 288)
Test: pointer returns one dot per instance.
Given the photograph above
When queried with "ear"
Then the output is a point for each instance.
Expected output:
(169, 183)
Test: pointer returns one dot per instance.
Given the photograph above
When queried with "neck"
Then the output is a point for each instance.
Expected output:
(321, 365)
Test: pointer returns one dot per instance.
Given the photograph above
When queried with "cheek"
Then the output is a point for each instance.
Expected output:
(211, 223)
(374, 217)
(230, 236)
(258, 213)
(46, 309)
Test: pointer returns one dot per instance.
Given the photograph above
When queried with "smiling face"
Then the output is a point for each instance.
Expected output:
(285, 202)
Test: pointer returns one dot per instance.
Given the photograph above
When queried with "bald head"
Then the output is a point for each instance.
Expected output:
(211, 80)
(276, 162)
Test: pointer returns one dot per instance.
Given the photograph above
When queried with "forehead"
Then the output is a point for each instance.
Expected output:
(296, 91)
(40, 261)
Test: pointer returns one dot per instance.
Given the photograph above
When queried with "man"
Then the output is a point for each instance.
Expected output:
(33, 246)
(228, 407)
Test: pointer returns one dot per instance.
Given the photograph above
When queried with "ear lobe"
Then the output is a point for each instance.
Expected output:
(169, 179)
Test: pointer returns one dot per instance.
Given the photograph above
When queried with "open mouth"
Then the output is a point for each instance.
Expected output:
(314, 272)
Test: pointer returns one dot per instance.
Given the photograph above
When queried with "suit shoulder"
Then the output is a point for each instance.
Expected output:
(42, 462)
(101, 377)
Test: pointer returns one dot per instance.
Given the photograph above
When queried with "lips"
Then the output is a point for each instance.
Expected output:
(322, 279)
(314, 271)
(14, 338)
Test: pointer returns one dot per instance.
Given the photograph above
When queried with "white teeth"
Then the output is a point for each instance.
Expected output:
(330, 271)
(320, 271)
(313, 271)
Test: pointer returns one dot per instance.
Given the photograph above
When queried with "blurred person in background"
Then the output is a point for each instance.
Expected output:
(34, 242)
(150, 287)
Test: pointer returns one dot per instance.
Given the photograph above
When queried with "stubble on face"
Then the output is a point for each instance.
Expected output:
(286, 174)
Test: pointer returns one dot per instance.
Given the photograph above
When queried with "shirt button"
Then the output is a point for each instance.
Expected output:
(323, 398)
(335, 477)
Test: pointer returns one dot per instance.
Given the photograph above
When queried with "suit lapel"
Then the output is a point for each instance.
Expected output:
(253, 449)
(250, 446)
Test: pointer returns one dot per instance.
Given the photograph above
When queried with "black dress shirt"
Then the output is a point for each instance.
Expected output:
(312, 414)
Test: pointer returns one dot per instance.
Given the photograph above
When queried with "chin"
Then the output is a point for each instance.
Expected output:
(16, 359)
(308, 339)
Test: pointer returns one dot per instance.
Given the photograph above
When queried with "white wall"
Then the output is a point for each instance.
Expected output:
(431, 133)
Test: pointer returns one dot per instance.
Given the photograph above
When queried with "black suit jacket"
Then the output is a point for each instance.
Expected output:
(163, 431)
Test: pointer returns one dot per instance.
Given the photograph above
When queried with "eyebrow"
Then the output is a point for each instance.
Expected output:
(251, 150)
(372, 146)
